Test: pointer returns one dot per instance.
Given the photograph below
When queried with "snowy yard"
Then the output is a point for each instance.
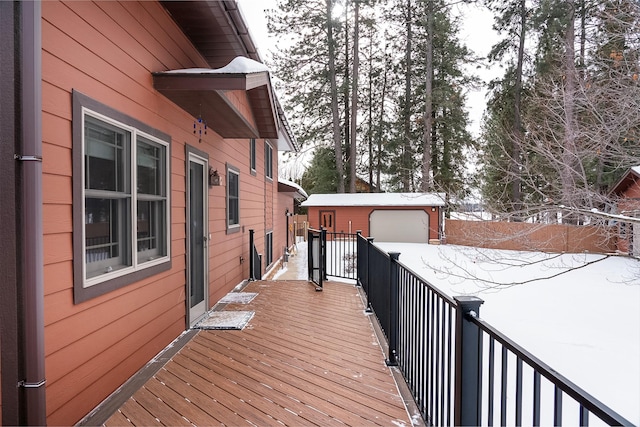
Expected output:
(585, 322)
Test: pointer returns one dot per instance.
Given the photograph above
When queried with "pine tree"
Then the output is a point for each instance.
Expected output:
(307, 62)
(581, 116)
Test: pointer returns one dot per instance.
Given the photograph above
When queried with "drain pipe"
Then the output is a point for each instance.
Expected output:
(29, 157)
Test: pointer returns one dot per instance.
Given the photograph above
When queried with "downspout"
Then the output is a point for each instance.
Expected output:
(29, 157)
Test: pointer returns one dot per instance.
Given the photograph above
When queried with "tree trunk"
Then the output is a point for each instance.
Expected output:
(370, 127)
(337, 142)
(381, 121)
(516, 183)
(345, 93)
(407, 104)
(354, 99)
(426, 184)
(569, 154)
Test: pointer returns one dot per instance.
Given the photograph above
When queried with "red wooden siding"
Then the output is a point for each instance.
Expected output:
(107, 51)
(354, 218)
(629, 201)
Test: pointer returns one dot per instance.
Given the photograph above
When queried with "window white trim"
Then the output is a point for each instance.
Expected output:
(252, 155)
(132, 242)
(268, 248)
(232, 227)
(129, 275)
(268, 160)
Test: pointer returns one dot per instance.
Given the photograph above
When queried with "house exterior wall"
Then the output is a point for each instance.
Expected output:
(285, 203)
(629, 200)
(349, 219)
(107, 51)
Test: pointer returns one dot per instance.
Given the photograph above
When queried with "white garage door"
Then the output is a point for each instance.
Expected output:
(411, 226)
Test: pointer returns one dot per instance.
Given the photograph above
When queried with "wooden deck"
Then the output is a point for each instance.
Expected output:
(306, 358)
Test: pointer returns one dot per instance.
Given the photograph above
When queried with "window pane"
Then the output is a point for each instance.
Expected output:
(252, 148)
(234, 207)
(151, 230)
(106, 154)
(268, 161)
(150, 162)
(106, 231)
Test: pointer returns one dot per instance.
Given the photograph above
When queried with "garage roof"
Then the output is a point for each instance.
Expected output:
(376, 199)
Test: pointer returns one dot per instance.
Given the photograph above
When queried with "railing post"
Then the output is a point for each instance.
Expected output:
(251, 260)
(323, 254)
(393, 309)
(368, 270)
(468, 392)
(309, 240)
(358, 269)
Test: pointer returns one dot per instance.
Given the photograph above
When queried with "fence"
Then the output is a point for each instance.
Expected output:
(448, 357)
(526, 236)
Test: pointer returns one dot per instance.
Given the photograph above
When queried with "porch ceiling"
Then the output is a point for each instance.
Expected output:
(216, 29)
(203, 94)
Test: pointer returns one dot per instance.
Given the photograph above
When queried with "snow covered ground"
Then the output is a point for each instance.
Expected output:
(582, 318)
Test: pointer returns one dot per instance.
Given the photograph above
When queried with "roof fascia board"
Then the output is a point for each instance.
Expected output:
(192, 81)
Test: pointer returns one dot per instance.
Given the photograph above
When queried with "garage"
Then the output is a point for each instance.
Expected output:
(411, 226)
(387, 217)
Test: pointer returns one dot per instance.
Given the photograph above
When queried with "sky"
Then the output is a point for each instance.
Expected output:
(477, 35)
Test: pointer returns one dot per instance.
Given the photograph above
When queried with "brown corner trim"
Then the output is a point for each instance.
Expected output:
(112, 403)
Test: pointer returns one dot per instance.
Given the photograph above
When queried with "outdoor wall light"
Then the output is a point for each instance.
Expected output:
(214, 178)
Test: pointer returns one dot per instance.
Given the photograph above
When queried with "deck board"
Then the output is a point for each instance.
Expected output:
(306, 358)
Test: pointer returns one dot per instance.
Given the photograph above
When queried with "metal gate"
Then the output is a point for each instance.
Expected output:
(341, 251)
(332, 254)
(316, 256)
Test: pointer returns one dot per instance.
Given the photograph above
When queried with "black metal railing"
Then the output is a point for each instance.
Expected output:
(520, 388)
(426, 344)
(316, 256)
(255, 259)
(448, 355)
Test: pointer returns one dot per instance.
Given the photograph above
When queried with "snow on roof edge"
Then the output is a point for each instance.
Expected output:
(376, 199)
(294, 185)
(239, 65)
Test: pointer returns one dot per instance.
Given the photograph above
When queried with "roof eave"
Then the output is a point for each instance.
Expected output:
(195, 18)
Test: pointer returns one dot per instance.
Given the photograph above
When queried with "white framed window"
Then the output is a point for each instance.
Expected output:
(233, 199)
(121, 199)
(252, 155)
(268, 160)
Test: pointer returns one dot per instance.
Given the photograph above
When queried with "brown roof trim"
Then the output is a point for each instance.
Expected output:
(203, 96)
(176, 80)
(285, 188)
(217, 29)
(625, 181)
